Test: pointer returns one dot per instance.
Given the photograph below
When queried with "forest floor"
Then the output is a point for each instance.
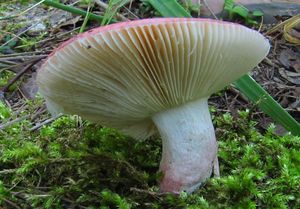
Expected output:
(67, 162)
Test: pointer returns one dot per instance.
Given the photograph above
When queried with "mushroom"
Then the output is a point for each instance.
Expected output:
(154, 75)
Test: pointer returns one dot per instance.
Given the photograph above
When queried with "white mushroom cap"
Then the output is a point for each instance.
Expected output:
(120, 75)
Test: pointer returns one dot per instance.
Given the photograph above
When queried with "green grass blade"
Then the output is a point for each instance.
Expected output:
(86, 18)
(169, 8)
(247, 85)
(111, 11)
(74, 10)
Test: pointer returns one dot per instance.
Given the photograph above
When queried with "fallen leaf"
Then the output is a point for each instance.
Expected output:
(290, 76)
(290, 59)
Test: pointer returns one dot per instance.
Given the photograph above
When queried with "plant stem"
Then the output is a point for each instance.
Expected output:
(74, 10)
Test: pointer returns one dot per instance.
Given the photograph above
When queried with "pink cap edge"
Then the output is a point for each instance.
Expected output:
(130, 24)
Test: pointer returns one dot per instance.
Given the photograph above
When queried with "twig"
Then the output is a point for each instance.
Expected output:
(216, 168)
(261, 24)
(209, 9)
(45, 122)
(18, 107)
(74, 203)
(6, 59)
(8, 171)
(14, 68)
(23, 54)
(10, 33)
(42, 194)
(3, 126)
(7, 62)
(130, 12)
(57, 36)
(39, 111)
(23, 12)
(11, 203)
(62, 160)
(147, 192)
(19, 74)
(237, 92)
(18, 35)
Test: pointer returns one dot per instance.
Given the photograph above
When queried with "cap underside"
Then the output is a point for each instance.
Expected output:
(121, 76)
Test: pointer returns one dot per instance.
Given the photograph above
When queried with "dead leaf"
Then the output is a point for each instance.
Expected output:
(266, 122)
(289, 30)
(296, 104)
(290, 76)
(290, 59)
(295, 33)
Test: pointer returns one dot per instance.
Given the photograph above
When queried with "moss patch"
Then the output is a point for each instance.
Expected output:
(82, 165)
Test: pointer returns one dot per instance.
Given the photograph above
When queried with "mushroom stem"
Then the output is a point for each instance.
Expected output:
(189, 146)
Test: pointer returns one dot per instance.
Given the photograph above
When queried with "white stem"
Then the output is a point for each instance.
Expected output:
(189, 146)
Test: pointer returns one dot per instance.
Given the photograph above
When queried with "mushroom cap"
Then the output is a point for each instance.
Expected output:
(120, 75)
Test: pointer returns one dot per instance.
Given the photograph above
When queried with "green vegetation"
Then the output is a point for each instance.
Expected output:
(27, 43)
(74, 163)
(8, 38)
(12, 36)
(239, 11)
(77, 164)
(5, 76)
(190, 6)
(112, 9)
(73, 10)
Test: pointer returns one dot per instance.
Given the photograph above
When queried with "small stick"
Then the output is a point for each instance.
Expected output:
(6, 59)
(23, 12)
(8, 171)
(45, 122)
(19, 75)
(7, 62)
(23, 54)
(147, 192)
(3, 126)
(14, 67)
(11, 203)
(209, 9)
(18, 35)
(39, 112)
(216, 167)
(57, 36)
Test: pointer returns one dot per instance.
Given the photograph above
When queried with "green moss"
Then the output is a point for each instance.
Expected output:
(28, 43)
(71, 163)
(5, 76)
(4, 111)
